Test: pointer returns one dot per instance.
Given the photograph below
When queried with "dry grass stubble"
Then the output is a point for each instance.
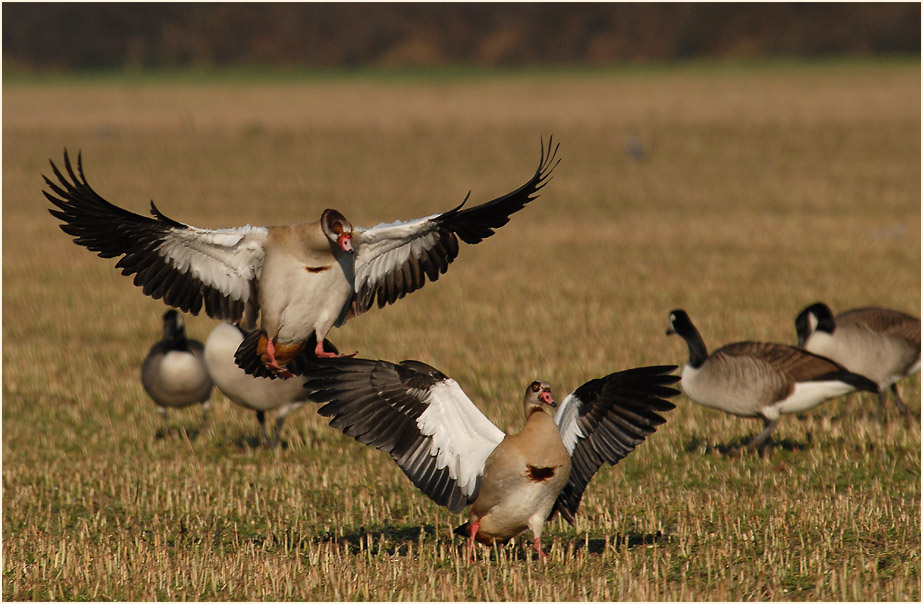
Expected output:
(763, 190)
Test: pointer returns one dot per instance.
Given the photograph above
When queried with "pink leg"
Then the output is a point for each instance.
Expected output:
(538, 547)
(273, 363)
(320, 353)
(474, 531)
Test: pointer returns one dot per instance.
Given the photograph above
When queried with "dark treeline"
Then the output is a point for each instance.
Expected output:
(138, 35)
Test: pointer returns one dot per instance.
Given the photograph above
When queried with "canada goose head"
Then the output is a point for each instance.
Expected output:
(680, 323)
(174, 331)
(337, 229)
(817, 317)
(538, 398)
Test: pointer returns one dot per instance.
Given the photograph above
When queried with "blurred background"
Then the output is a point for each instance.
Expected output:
(144, 35)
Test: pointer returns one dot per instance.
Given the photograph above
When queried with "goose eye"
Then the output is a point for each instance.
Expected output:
(536, 386)
(337, 227)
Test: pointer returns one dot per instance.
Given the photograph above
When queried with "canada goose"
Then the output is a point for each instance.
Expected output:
(173, 373)
(303, 278)
(759, 379)
(257, 393)
(881, 344)
(457, 457)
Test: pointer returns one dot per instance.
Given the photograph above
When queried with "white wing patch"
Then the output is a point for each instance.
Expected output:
(566, 418)
(225, 259)
(382, 248)
(462, 437)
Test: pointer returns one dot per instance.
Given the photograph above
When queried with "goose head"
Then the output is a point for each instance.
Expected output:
(680, 323)
(174, 331)
(538, 397)
(338, 230)
(817, 317)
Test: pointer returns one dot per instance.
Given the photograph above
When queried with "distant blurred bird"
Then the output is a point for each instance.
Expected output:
(303, 279)
(759, 379)
(260, 394)
(173, 373)
(881, 344)
(634, 148)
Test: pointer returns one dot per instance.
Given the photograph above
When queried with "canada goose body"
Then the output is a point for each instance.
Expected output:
(881, 344)
(759, 379)
(255, 393)
(302, 279)
(457, 457)
(173, 373)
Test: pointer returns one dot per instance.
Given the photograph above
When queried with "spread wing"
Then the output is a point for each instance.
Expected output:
(604, 420)
(395, 259)
(187, 266)
(422, 418)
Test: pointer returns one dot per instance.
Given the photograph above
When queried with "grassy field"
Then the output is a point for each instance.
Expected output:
(763, 190)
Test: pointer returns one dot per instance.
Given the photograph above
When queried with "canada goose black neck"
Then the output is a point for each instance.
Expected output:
(682, 325)
(174, 332)
(817, 317)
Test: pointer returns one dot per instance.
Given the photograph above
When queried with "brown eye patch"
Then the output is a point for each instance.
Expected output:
(535, 386)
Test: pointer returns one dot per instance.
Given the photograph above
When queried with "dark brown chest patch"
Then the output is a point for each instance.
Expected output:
(316, 269)
(539, 474)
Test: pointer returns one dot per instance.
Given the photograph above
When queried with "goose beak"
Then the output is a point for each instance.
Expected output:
(548, 399)
(345, 241)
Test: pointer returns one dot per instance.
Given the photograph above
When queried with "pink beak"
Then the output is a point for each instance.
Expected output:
(547, 398)
(345, 241)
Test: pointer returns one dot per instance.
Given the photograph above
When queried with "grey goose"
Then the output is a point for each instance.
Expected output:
(303, 278)
(173, 372)
(458, 458)
(260, 394)
(759, 379)
(879, 343)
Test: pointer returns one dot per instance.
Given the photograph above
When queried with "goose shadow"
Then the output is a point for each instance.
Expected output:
(166, 433)
(245, 441)
(397, 539)
(738, 446)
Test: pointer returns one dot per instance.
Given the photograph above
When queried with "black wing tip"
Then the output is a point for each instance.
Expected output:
(859, 382)
(462, 530)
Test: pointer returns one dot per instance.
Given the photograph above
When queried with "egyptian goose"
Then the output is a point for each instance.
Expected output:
(173, 373)
(303, 278)
(759, 379)
(457, 457)
(257, 393)
(881, 344)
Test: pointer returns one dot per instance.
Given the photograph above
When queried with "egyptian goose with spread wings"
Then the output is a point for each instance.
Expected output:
(304, 278)
(879, 343)
(759, 379)
(457, 457)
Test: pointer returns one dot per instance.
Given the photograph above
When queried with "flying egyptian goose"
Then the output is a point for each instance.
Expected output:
(256, 393)
(457, 457)
(303, 278)
(759, 379)
(173, 373)
(881, 344)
